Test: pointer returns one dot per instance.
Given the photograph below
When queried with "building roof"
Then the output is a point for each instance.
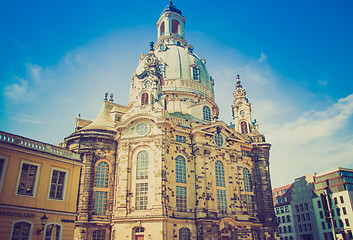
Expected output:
(171, 8)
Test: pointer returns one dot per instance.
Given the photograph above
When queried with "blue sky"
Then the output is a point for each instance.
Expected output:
(294, 58)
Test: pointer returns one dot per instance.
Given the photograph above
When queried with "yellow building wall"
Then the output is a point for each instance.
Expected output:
(15, 207)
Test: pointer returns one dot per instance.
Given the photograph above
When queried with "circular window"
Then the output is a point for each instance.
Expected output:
(142, 129)
(218, 140)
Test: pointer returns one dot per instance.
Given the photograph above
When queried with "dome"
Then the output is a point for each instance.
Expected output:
(180, 64)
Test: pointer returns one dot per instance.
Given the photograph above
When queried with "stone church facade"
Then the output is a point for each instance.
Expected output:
(164, 166)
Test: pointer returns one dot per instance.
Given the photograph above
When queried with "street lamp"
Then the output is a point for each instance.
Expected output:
(43, 221)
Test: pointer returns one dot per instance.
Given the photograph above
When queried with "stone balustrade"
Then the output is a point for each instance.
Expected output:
(38, 146)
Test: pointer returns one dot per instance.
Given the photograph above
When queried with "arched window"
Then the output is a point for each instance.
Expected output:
(162, 29)
(184, 234)
(139, 233)
(21, 230)
(219, 174)
(247, 180)
(175, 26)
(180, 169)
(102, 174)
(52, 231)
(142, 165)
(144, 99)
(244, 127)
(99, 234)
(207, 113)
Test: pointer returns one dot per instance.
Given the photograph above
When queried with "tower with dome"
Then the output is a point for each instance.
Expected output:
(165, 166)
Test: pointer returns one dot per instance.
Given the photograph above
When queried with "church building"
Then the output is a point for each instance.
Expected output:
(164, 166)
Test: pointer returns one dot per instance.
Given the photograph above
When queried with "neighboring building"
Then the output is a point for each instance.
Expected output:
(164, 167)
(284, 212)
(316, 216)
(333, 205)
(38, 182)
(304, 215)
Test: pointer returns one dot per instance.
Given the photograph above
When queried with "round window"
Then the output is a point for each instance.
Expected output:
(218, 140)
(142, 129)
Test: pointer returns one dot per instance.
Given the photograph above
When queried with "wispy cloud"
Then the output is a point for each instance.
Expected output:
(263, 57)
(18, 90)
(313, 142)
(322, 82)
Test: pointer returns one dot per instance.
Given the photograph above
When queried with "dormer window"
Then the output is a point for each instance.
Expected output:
(195, 72)
(144, 99)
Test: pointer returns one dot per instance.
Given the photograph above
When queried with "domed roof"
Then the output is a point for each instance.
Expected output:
(170, 7)
(178, 63)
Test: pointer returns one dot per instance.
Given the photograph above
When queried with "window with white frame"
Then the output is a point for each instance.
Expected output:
(219, 168)
(247, 180)
(180, 169)
(52, 232)
(141, 196)
(102, 174)
(3, 163)
(181, 201)
(100, 202)
(142, 165)
(21, 230)
(27, 179)
(207, 113)
(57, 184)
(221, 201)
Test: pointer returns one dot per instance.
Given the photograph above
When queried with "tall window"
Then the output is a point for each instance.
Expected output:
(102, 174)
(144, 99)
(100, 202)
(141, 196)
(3, 162)
(21, 231)
(52, 232)
(142, 165)
(99, 234)
(175, 26)
(221, 201)
(206, 113)
(195, 73)
(27, 179)
(247, 180)
(162, 29)
(181, 202)
(184, 234)
(219, 174)
(180, 169)
(244, 127)
(57, 185)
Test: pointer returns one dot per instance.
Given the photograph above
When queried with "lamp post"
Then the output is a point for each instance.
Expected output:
(43, 221)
